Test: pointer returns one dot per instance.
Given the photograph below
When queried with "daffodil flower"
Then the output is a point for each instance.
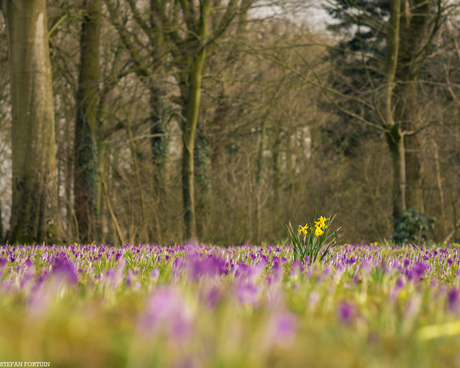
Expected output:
(318, 231)
(322, 222)
(303, 229)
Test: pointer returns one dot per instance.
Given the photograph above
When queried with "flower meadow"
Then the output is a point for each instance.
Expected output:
(246, 306)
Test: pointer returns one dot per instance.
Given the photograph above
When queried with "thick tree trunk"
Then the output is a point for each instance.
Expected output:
(35, 213)
(413, 31)
(85, 164)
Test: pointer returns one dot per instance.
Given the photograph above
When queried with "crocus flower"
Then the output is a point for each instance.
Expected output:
(277, 268)
(351, 260)
(282, 329)
(166, 312)
(346, 312)
(452, 300)
(416, 272)
(212, 297)
(64, 269)
(313, 299)
(129, 277)
(248, 293)
(413, 306)
(155, 274)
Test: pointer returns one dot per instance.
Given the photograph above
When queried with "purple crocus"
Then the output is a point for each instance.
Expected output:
(209, 266)
(114, 276)
(394, 291)
(248, 293)
(212, 297)
(350, 261)
(64, 269)
(452, 300)
(282, 329)
(313, 299)
(295, 268)
(346, 312)
(166, 312)
(129, 277)
(277, 268)
(27, 277)
(155, 274)
(41, 280)
(417, 271)
(413, 306)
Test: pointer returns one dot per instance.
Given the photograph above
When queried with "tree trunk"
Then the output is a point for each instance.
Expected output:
(413, 173)
(68, 179)
(394, 139)
(292, 175)
(35, 213)
(202, 159)
(258, 189)
(188, 140)
(412, 33)
(159, 141)
(406, 113)
(102, 164)
(396, 145)
(85, 169)
(276, 173)
(137, 174)
(391, 62)
(441, 191)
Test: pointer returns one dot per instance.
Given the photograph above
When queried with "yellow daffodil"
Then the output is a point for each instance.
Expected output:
(318, 231)
(322, 222)
(303, 229)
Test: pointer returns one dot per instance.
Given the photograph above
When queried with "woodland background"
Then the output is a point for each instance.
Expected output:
(226, 120)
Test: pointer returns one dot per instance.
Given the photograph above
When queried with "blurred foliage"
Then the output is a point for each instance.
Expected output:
(412, 227)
